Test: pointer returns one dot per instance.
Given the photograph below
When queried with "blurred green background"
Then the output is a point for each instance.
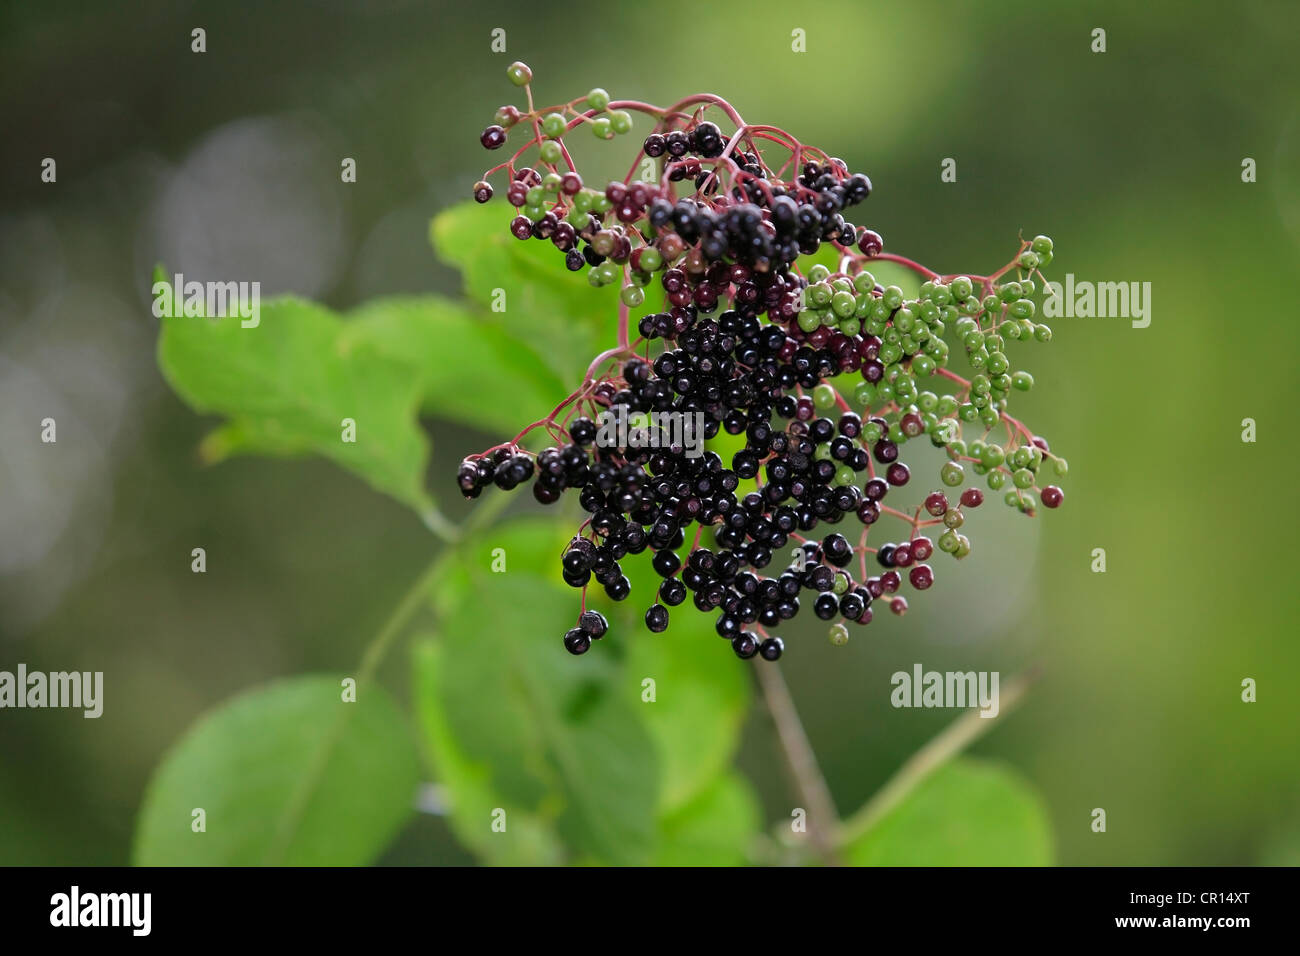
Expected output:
(227, 163)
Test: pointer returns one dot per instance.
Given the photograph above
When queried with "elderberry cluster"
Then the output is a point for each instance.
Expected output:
(753, 345)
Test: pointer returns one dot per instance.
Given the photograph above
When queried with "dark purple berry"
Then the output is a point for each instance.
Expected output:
(577, 641)
(745, 645)
(870, 243)
(593, 624)
(656, 618)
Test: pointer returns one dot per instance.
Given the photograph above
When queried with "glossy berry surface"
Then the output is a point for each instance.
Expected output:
(807, 389)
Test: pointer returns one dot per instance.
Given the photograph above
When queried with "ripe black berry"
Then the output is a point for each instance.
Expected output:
(745, 645)
(826, 606)
(666, 563)
(656, 618)
(577, 641)
(593, 624)
(672, 592)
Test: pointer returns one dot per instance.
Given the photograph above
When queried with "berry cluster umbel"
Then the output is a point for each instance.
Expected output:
(757, 347)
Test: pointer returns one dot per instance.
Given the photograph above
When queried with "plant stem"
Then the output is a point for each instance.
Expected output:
(440, 524)
(950, 741)
(823, 820)
(416, 595)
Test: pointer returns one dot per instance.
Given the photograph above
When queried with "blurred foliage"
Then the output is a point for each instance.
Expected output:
(968, 813)
(285, 774)
(1130, 160)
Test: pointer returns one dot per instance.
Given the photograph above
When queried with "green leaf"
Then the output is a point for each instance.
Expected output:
(288, 774)
(528, 839)
(966, 813)
(470, 370)
(544, 302)
(288, 384)
(549, 735)
(716, 828)
(701, 697)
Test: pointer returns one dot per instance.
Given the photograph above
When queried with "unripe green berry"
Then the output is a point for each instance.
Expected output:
(550, 152)
(843, 304)
(597, 99)
(620, 121)
(519, 73)
(553, 125)
(1022, 309)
